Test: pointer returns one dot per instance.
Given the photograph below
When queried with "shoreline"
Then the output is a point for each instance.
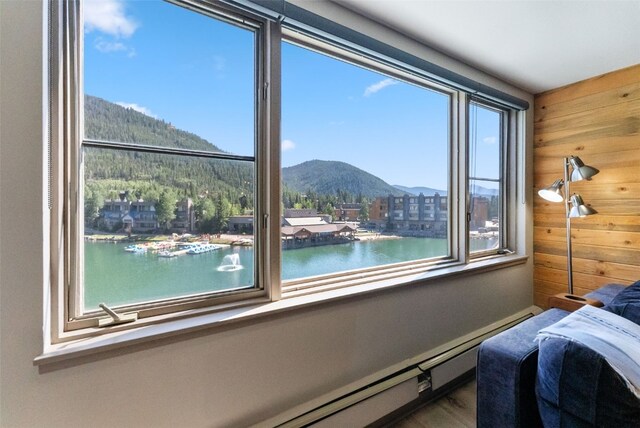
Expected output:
(238, 240)
(221, 238)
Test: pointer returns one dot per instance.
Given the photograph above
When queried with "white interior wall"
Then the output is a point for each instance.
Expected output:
(232, 377)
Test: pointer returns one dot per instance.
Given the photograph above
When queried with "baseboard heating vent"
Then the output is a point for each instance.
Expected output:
(370, 403)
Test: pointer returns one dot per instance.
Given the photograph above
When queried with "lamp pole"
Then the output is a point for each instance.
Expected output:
(566, 209)
(580, 171)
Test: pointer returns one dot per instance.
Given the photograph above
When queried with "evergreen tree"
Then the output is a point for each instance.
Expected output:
(166, 209)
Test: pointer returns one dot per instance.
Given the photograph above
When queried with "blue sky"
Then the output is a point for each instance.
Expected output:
(197, 73)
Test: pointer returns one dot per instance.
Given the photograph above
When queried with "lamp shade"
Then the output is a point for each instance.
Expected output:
(578, 208)
(580, 170)
(553, 193)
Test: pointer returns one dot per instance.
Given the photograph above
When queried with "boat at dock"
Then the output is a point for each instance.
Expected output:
(202, 248)
(136, 249)
(162, 246)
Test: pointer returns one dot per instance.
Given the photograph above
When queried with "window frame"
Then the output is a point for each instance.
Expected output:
(67, 141)
(504, 191)
(360, 58)
(66, 215)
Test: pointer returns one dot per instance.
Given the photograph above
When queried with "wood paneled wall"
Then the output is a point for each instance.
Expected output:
(599, 120)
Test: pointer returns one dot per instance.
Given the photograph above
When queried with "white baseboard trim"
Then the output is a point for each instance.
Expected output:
(349, 395)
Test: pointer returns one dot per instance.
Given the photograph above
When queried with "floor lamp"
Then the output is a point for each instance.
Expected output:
(573, 204)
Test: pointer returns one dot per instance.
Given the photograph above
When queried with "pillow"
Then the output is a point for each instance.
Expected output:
(627, 303)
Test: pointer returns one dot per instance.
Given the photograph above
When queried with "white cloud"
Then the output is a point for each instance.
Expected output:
(379, 86)
(108, 16)
(137, 108)
(288, 145)
(489, 140)
(105, 46)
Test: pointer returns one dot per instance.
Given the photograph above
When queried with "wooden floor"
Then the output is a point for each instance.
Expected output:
(455, 410)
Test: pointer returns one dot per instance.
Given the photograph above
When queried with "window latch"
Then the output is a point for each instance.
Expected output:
(115, 317)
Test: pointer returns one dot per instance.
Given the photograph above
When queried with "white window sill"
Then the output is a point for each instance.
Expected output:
(103, 344)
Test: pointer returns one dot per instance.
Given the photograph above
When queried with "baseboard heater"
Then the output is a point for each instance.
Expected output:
(425, 376)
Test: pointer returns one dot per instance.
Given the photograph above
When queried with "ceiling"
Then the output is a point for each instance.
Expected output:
(536, 45)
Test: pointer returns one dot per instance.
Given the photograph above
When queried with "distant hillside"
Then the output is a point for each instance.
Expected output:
(483, 191)
(427, 191)
(146, 175)
(111, 122)
(329, 177)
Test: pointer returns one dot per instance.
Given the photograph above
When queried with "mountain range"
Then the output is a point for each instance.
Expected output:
(427, 191)
(111, 122)
(329, 177)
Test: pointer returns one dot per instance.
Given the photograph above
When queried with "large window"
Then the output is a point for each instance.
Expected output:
(355, 139)
(168, 123)
(205, 158)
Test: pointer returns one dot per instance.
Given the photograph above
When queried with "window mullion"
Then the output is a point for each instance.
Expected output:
(270, 191)
(461, 165)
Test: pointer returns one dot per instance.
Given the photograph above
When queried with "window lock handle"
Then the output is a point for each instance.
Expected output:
(115, 317)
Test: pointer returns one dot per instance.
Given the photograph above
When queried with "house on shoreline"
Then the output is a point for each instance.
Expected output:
(309, 231)
(139, 216)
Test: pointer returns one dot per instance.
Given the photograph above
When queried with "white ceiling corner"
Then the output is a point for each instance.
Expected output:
(536, 45)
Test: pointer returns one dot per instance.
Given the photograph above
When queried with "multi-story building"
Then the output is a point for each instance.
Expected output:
(479, 212)
(140, 216)
(379, 212)
(185, 220)
(347, 212)
(416, 215)
(240, 224)
(143, 215)
(113, 212)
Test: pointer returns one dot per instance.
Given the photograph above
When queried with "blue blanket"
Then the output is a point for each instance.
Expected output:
(615, 338)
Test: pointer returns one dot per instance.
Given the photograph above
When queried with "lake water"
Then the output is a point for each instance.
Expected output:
(114, 276)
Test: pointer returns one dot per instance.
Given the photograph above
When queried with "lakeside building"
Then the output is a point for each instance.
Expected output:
(409, 214)
(143, 216)
(185, 220)
(347, 212)
(304, 213)
(240, 224)
(479, 213)
(314, 230)
(418, 215)
(139, 216)
(422, 215)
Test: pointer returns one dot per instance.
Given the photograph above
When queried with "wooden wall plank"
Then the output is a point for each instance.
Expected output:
(623, 174)
(605, 145)
(602, 83)
(617, 272)
(619, 128)
(622, 158)
(591, 119)
(598, 100)
(628, 256)
(588, 236)
(544, 218)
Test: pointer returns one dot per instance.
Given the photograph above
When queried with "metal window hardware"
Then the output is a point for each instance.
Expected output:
(115, 317)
